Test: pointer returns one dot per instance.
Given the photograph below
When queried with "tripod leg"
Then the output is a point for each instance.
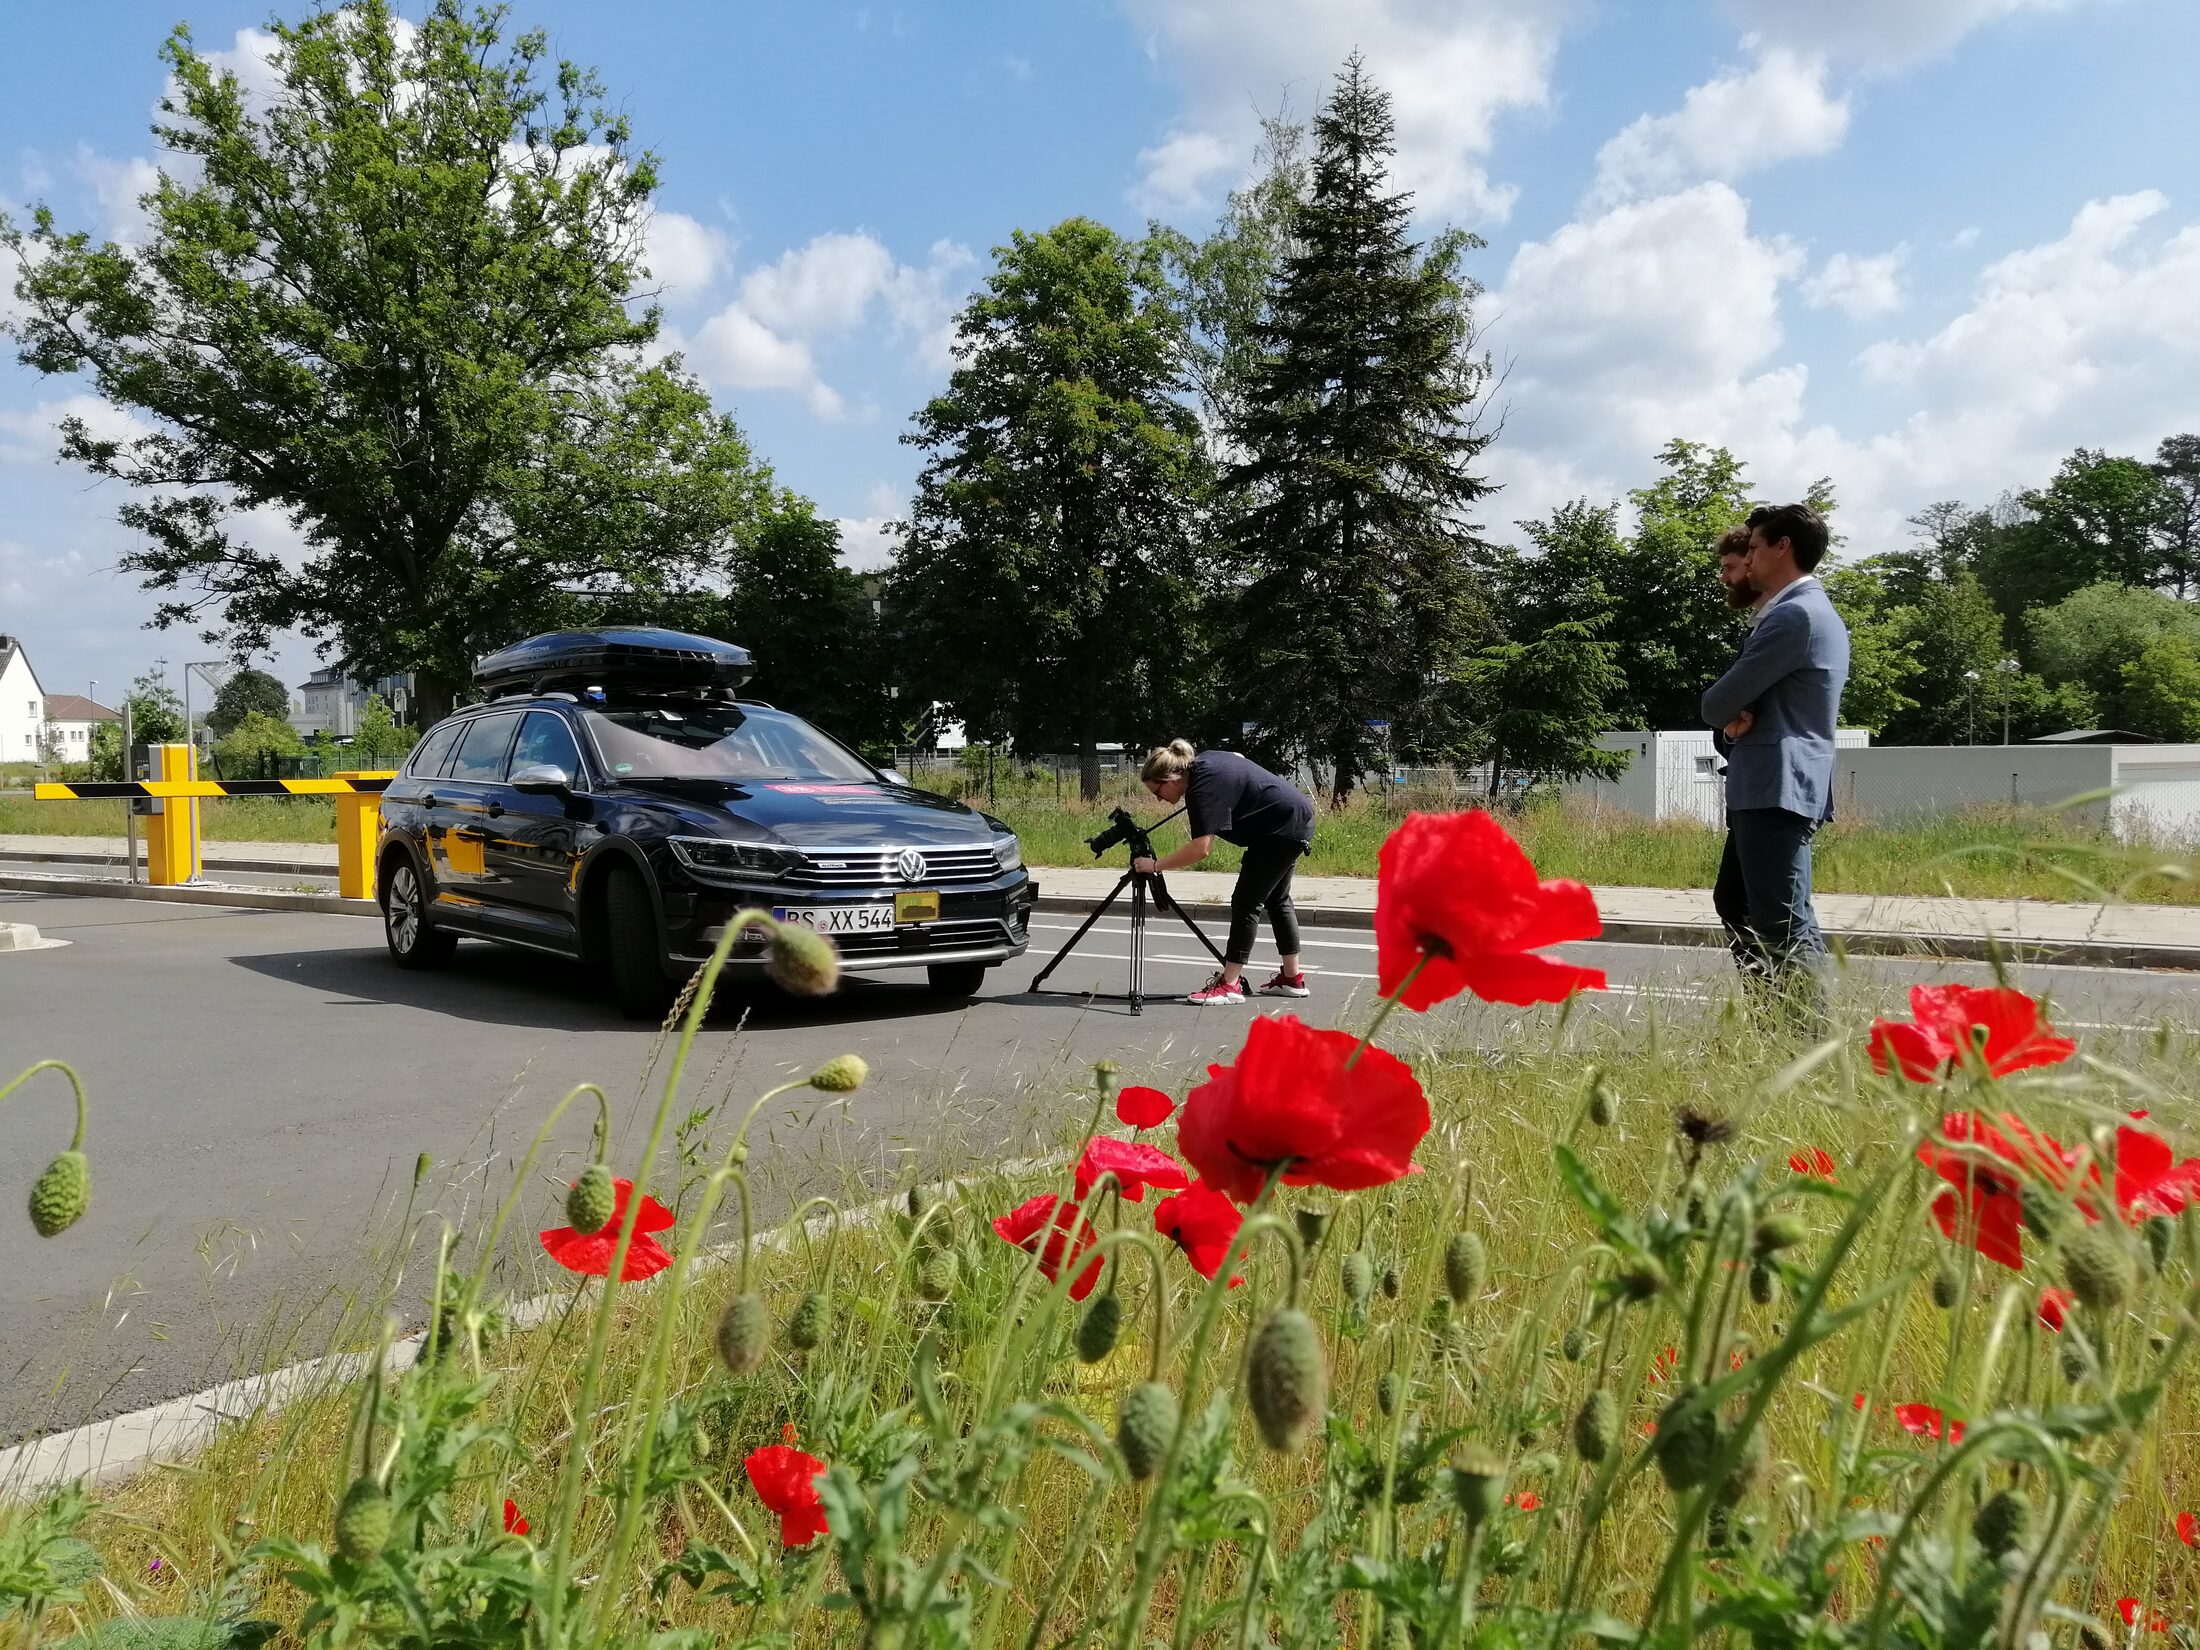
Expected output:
(1162, 899)
(1083, 929)
(1138, 944)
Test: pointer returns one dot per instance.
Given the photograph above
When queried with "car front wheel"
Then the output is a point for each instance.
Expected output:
(956, 979)
(630, 947)
(413, 941)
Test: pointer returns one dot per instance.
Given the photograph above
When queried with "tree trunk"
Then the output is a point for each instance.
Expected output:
(1088, 733)
(434, 697)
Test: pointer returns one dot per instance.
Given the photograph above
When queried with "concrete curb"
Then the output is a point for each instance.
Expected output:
(212, 861)
(250, 899)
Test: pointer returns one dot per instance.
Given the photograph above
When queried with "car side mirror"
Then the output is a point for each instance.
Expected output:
(541, 779)
(892, 777)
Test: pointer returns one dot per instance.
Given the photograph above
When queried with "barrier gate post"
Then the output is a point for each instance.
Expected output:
(172, 835)
(358, 819)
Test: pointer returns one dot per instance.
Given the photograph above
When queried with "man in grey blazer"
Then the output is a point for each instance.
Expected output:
(1778, 707)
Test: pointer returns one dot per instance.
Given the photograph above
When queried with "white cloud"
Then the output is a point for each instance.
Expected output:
(1740, 122)
(736, 350)
(1451, 67)
(1859, 286)
(1879, 34)
(684, 255)
(250, 56)
(32, 435)
(867, 544)
(823, 286)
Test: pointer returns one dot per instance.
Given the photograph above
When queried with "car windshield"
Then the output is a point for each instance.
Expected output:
(708, 739)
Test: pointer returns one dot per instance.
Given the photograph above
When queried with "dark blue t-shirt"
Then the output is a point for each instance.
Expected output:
(1242, 802)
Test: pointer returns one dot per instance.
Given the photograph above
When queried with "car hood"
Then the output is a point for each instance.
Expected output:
(812, 814)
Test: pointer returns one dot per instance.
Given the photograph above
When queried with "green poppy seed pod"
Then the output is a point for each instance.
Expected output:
(1641, 1278)
(1313, 1225)
(60, 1196)
(2002, 1523)
(2070, 1355)
(842, 1074)
(801, 962)
(1452, 1345)
(1286, 1379)
(1573, 1346)
(1397, 1633)
(936, 1277)
(1145, 1421)
(1358, 1276)
(1596, 1426)
(2043, 1212)
(1737, 1483)
(1777, 1232)
(1947, 1287)
(2097, 1267)
(744, 1334)
(1687, 1441)
(2160, 1235)
(1106, 1077)
(1389, 1388)
(592, 1200)
(806, 1325)
(1764, 1287)
(1603, 1103)
(1692, 1200)
(1466, 1267)
(362, 1521)
(1393, 1284)
(1099, 1329)
(1477, 1483)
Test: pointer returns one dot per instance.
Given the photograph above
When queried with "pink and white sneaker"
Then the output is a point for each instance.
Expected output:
(1216, 991)
(1287, 985)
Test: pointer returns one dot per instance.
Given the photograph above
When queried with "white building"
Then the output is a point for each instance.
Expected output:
(70, 719)
(1675, 774)
(332, 702)
(2144, 792)
(22, 704)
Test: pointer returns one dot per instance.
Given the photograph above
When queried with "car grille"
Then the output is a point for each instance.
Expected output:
(944, 867)
(933, 936)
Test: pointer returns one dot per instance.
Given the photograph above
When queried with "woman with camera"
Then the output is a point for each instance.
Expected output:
(1227, 796)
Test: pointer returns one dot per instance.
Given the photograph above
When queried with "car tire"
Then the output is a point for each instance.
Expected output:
(955, 979)
(414, 941)
(638, 980)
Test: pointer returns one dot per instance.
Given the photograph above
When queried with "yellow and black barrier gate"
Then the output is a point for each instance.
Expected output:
(172, 845)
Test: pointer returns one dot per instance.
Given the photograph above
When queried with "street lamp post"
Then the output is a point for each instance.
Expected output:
(2006, 670)
(1970, 707)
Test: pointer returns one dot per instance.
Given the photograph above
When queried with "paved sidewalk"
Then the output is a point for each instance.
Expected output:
(2117, 935)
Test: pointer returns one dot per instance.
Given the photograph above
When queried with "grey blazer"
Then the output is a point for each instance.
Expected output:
(1791, 673)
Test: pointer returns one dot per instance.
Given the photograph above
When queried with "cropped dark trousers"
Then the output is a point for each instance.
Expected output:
(1763, 897)
(1264, 884)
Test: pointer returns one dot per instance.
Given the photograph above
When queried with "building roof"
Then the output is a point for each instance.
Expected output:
(10, 650)
(2095, 736)
(74, 707)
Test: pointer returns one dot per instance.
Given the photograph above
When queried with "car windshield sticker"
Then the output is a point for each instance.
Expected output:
(622, 767)
(820, 790)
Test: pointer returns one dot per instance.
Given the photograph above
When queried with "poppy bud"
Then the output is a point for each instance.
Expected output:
(2160, 1234)
(1477, 1483)
(1947, 1287)
(1764, 1286)
(801, 962)
(1777, 1232)
(1603, 1103)
(922, 1200)
(2097, 1267)
(2043, 1212)
(1393, 1284)
(1452, 1345)
(1102, 1323)
(362, 1521)
(1596, 1426)
(60, 1196)
(842, 1074)
(1718, 1528)
(1106, 1075)
(806, 1326)
(744, 1334)
(1736, 1483)
(1145, 1421)
(1687, 1442)
(936, 1277)
(592, 1200)
(1466, 1266)
(420, 1168)
(1388, 1389)
(1692, 1200)
(1358, 1276)
(1312, 1224)
(1286, 1379)
(2002, 1523)
(1641, 1278)
(1573, 1346)
(2071, 1356)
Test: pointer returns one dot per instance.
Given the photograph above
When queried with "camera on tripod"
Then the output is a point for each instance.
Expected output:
(1122, 828)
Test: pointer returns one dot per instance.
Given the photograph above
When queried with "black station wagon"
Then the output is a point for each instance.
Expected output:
(615, 800)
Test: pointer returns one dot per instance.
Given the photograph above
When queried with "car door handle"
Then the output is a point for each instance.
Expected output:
(496, 810)
(428, 801)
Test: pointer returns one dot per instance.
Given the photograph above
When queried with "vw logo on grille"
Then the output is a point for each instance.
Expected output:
(910, 864)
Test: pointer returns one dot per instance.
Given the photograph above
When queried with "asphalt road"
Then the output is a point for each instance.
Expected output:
(262, 1083)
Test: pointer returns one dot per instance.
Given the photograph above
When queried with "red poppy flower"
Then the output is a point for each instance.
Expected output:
(2188, 1529)
(1041, 1226)
(2003, 1026)
(1985, 1165)
(1202, 1222)
(2054, 1309)
(1289, 1101)
(1134, 1166)
(590, 1253)
(1662, 1365)
(2149, 1179)
(1857, 1402)
(513, 1523)
(785, 1480)
(1143, 1108)
(2128, 1608)
(1456, 889)
(1815, 1163)
(1925, 1422)
(1526, 1501)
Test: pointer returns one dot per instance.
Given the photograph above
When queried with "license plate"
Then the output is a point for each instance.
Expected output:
(923, 906)
(840, 919)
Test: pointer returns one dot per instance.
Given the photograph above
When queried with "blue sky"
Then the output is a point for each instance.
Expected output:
(1922, 246)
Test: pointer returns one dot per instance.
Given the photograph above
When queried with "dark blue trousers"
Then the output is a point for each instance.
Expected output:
(1763, 893)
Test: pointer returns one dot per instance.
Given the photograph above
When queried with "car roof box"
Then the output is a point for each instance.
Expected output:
(628, 658)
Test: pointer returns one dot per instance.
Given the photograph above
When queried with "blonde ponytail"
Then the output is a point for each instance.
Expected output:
(1167, 762)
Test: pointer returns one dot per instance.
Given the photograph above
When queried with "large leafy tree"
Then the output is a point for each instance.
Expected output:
(1044, 585)
(2099, 521)
(1882, 647)
(393, 303)
(1351, 505)
(2092, 635)
(246, 693)
(1547, 699)
(2177, 468)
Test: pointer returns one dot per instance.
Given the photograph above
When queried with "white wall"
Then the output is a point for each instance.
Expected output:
(2157, 793)
(22, 710)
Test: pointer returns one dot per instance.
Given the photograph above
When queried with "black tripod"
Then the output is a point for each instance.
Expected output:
(1126, 829)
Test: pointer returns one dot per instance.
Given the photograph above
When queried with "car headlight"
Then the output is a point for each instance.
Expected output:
(1008, 853)
(715, 859)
